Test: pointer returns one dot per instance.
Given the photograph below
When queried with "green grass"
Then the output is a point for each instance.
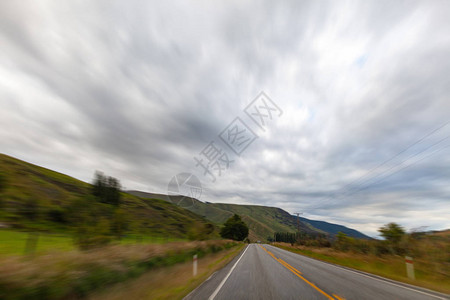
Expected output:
(136, 239)
(14, 242)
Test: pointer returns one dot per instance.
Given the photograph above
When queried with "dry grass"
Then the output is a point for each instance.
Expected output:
(429, 273)
(60, 274)
(168, 283)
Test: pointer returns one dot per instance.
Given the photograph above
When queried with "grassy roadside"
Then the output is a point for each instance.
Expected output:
(392, 267)
(173, 282)
(13, 242)
(76, 274)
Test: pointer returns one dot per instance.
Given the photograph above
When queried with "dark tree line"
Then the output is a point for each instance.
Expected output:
(285, 237)
(297, 237)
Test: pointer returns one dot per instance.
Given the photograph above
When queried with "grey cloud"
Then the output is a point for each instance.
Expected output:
(137, 90)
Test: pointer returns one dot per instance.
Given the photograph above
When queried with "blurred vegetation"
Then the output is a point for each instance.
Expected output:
(174, 282)
(75, 274)
(429, 250)
(35, 199)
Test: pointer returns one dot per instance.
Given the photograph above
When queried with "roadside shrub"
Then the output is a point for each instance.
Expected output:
(57, 215)
(381, 248)
(343, 242)
(360, 246)
(200, 231)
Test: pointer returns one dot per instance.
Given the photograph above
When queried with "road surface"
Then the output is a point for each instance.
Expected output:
(267, 272)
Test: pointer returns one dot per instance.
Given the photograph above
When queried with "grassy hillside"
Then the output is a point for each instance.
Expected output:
(40, 199)
(263, 221)
(210, 212)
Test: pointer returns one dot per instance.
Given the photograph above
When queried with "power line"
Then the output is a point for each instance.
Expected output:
(401, 169)
(409, 158)
(405, 167)
(393, 173)
(388, 160)
(399, 153)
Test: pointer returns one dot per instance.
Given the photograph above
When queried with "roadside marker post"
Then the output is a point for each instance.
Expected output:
(409, 267)
(194, 271)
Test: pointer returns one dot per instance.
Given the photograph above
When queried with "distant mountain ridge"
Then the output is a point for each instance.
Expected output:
(334, 228)
(263, 221)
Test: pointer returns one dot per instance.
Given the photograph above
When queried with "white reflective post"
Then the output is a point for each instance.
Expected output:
(194, 271)
(409, 267)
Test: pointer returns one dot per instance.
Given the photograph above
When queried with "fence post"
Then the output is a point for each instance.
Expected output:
(31, 243)
(409, 267)
(194, 271)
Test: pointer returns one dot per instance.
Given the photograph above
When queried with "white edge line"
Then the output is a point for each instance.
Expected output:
(213, 295)
(194, 290)
(372, 277)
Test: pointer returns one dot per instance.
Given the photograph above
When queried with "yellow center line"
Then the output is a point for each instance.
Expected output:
(337, 297)
(289, 266)
(298, 274)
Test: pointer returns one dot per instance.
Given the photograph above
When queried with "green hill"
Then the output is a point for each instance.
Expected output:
(37, 198)
(263, 221)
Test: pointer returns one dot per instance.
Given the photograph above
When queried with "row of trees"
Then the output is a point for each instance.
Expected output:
(301, 238)
(396, 241)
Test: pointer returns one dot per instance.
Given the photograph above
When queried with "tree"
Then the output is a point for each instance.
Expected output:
(2, 182)
(106, 189)
(235, 229)
(392, 232)
(113, 191)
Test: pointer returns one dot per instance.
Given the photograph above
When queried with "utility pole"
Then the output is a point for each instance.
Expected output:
(298, 220)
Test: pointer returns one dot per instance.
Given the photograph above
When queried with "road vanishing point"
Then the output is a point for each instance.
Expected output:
(267, 272)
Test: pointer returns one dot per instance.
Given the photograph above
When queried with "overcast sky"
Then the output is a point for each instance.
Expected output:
(137, 89)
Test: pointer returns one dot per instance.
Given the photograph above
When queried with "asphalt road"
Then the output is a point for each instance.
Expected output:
(267, 272)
